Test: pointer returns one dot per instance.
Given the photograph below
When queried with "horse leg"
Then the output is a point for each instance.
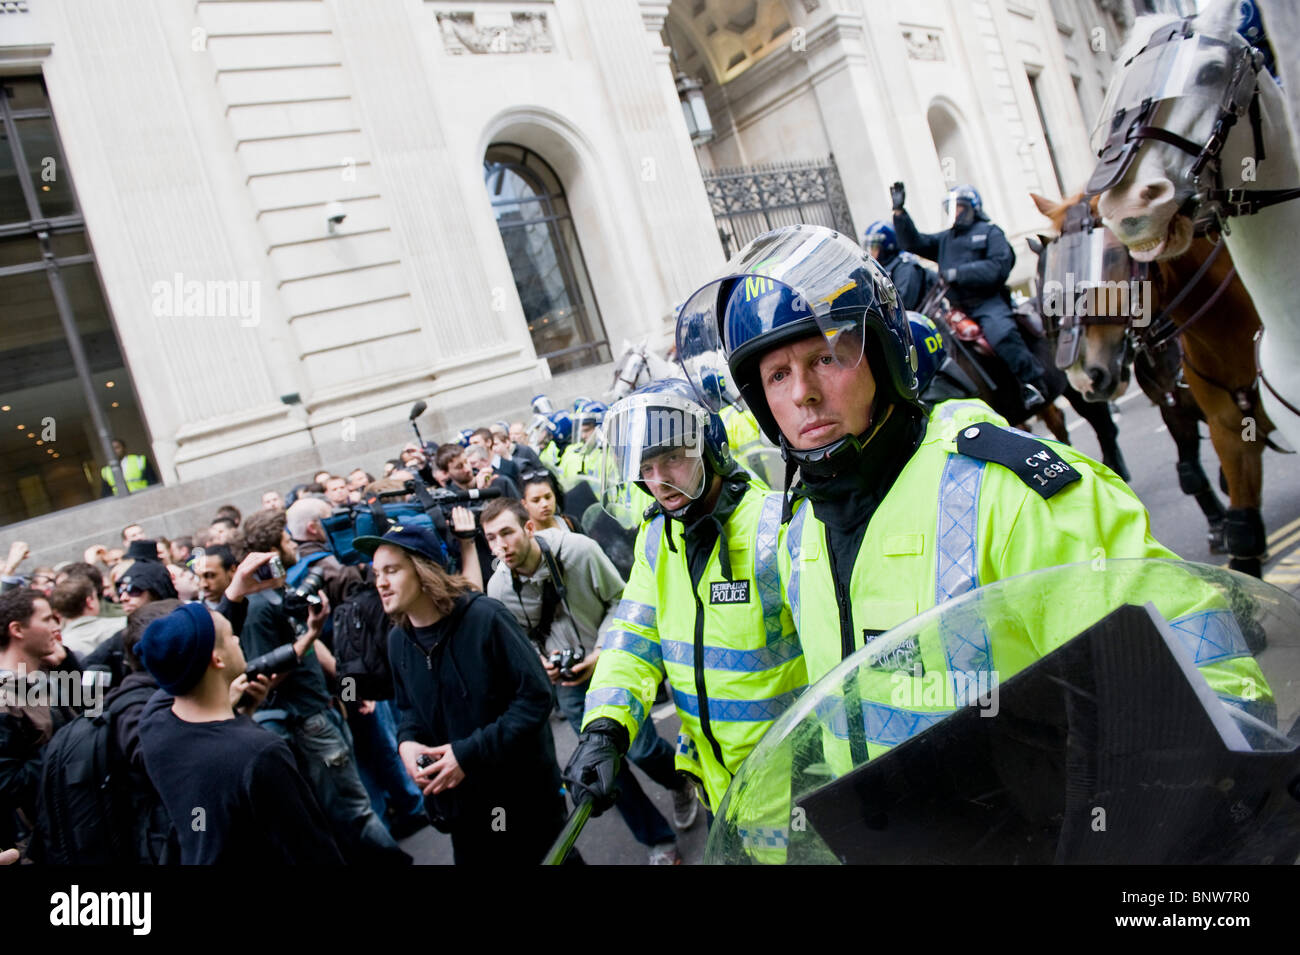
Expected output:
(1242, 462)
(1097, 414)
(1156, 376)
(1054, 418)
(1181, 419)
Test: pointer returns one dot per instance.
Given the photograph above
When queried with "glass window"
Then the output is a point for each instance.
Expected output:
(46, 166)
(542, 245)
(51, 452)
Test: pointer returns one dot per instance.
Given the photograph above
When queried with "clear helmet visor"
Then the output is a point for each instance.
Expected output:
(539, 429)
(658, 439)
(957, 210)
(780, 277)
(1189, 78)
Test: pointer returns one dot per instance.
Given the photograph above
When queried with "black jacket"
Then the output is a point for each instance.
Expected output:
(482, 689)
(912, 279)
(24, 731)
(979, 252)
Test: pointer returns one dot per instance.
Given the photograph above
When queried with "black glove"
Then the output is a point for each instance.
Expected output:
(897, 194)
(950, 276)
(592, 772)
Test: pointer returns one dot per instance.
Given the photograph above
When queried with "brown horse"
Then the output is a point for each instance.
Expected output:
(1218, 363)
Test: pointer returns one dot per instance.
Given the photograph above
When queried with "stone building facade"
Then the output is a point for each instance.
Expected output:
(285, 221)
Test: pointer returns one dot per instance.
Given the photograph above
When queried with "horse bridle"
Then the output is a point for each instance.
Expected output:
(1217, 203)
(631, 383)
(1078, 219)
(1161, 330)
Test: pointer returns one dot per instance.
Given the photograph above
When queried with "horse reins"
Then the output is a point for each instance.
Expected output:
(1162, 330)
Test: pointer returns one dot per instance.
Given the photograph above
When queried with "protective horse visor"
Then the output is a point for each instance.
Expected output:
(1193, 75)
(657, 438)
(1085, 281)
(810, 265)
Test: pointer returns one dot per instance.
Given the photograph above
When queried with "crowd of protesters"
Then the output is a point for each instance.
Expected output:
(246, 718)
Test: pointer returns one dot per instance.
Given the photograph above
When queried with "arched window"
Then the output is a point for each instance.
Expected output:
(956, 163)
(545, 257)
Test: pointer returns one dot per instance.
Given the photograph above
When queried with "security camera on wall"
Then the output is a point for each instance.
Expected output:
(335, 214)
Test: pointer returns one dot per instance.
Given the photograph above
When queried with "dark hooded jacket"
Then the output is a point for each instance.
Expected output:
(473, 680)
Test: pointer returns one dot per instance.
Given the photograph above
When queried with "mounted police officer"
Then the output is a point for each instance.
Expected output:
(702, 604)
(912, 279)
(975, 259)
(898, 507)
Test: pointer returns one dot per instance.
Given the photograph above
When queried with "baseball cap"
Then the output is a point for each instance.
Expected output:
(413, 539)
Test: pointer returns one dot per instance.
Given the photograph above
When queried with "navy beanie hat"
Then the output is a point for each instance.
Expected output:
(177, 648)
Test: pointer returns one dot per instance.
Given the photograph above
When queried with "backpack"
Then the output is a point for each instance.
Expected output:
(93, 809)
(361, 645)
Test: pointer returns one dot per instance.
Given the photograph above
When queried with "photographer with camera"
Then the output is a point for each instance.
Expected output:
(256, 807)
(303, 522)
(562, 589)
(372, 723)
(300, 708)
(464, 479)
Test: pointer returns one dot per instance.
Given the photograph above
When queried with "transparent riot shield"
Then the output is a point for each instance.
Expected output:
(764, 462)
(1117, 711)
(613, 526)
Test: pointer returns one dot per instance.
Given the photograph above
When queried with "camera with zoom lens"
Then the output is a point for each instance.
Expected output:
(300, 601)
(279, 660)
(565, 659)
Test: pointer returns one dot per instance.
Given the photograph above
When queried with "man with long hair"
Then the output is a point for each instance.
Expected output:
(472, 703)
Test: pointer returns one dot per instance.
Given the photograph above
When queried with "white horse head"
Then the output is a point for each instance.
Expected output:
(1152, 207)
(636, 366)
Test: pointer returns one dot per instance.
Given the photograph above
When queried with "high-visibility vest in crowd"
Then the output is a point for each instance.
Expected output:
(133, 466)
(727, 647)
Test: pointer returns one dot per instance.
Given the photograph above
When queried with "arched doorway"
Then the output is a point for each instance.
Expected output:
(956, 163)
(545, 257)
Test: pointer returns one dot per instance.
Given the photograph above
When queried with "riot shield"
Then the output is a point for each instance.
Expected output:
(764, 462)
(1117, 711)
(613, 529)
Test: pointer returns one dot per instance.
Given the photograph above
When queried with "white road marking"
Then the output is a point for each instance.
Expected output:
(1128, 397)
(665, 711)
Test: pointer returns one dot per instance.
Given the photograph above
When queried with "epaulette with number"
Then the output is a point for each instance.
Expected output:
(1032, 461)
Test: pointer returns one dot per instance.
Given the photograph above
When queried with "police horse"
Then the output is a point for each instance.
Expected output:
(1000, 389)
(1194, 136)
(638, 365)
(1188, 343)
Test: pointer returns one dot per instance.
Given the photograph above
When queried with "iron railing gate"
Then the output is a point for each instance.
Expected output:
(750, 200)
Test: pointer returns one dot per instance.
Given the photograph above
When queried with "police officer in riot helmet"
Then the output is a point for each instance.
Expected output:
(939, 377)
(912, 279)
(899, 505)
(974, 260)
